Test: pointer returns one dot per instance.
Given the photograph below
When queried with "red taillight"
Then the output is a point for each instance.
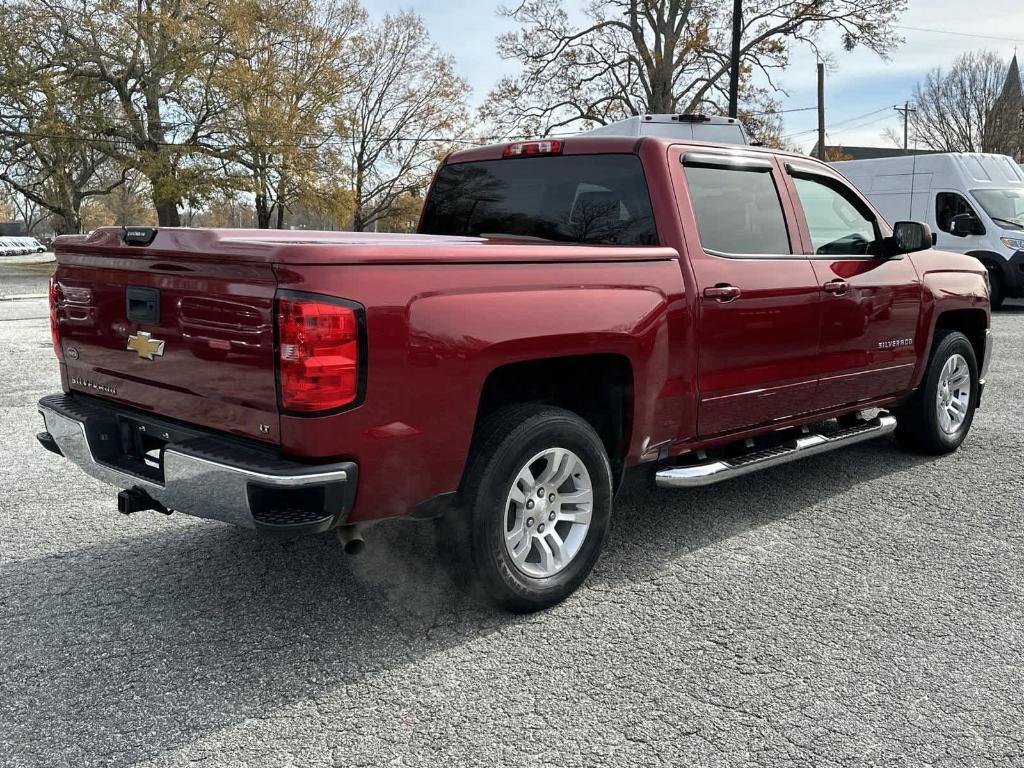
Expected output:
(318, 359)
(55, 296)
(528, 148)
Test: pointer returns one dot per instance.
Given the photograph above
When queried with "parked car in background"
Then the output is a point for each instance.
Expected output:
(568, 310)
(34, 245)
(973, 202)
(20, 246)
(9, 246)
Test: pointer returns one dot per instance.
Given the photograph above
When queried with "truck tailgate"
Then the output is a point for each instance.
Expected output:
(187, 337)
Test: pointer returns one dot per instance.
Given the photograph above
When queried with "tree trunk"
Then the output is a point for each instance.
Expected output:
(281, 196)
(358, 222)
(66, 223)
(167, 214)
(262, 212)
(663, 102)
(159, 167)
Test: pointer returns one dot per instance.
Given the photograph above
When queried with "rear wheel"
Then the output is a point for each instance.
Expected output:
(938, 417)
(534, 509)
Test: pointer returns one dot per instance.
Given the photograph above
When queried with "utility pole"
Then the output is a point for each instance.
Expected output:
(906, 111)
(822, 154)
(734, 70)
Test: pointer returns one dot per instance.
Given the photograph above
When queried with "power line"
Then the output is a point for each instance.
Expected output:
(324, 138)
(857, 127)
(958, 34)
(841, 123)
(336, 140)
(782, 111)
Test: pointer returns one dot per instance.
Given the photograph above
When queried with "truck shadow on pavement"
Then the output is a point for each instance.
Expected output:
(119, 652)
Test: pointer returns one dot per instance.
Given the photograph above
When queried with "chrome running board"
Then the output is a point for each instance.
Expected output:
(716, 471)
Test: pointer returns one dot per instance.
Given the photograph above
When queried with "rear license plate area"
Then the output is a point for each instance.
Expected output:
(142, 445)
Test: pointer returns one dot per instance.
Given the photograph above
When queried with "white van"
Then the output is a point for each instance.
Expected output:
(9, 247)
(973, 202)
(725, 130)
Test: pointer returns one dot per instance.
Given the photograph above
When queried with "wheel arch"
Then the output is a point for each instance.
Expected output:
(973, 323)
(993, 263)
(598, 387)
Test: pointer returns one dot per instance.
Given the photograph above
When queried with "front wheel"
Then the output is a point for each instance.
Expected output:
(997, 291)
(939, 415)
(535, 507)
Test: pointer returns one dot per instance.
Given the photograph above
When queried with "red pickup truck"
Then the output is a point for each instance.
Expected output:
(568, 310)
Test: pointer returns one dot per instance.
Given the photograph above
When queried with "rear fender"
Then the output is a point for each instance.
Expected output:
(470, 335)
(430, 353)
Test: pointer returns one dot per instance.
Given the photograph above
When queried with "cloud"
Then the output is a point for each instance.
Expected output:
(862, 81)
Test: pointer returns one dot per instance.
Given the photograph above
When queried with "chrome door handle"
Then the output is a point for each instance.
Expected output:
(838, 287)
(722, 293)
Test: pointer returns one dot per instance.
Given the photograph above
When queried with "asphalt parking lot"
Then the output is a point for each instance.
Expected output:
(24, 277)
(860, 608)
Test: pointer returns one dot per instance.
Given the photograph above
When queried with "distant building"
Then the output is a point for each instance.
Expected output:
(12, 229)
(835, 152)
(1004, 128)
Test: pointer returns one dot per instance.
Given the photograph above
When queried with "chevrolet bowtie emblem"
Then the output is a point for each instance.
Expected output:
(145, 345)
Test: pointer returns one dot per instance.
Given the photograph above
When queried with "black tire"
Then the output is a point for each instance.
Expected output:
(997, 293)
(918, 427)
(473, 534)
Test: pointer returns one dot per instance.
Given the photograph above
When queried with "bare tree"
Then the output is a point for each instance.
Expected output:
(156, 59)
(953, 106)
(19, 207)
(407, 105)
(288, 64)
(636, 56)
(46, 154)
(130, 203)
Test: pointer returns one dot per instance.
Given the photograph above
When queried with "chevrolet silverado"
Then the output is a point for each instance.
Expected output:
(568, 310)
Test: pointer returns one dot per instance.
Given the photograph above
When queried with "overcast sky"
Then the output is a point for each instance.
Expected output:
(861, 83)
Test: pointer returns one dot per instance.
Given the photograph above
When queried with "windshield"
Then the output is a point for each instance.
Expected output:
(1004, 206)
(597, 199)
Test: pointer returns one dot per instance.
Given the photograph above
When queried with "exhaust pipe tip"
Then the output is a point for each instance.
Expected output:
(355, 546)
(351, 539)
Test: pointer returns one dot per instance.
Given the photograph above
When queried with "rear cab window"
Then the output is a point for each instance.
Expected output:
(590, 199)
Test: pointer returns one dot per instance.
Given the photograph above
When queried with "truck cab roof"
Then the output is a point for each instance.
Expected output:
(594, 144)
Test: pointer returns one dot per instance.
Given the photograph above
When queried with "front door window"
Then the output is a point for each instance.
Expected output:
(838, 224)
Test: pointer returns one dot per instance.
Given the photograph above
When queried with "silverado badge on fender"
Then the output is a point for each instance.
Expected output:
(145, 345)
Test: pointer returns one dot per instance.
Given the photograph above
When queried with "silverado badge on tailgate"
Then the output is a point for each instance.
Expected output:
(145, 345)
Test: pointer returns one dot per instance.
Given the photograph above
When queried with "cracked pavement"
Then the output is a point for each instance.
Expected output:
(857, 608)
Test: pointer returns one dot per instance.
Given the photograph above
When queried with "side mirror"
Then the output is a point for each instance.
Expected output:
(965, 225)
(908, 237)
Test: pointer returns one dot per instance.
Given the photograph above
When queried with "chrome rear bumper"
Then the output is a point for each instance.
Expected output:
(204, 474)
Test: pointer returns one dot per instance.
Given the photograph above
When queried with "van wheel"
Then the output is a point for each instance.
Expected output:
(997, 292)
(534, 509)
(939, 415)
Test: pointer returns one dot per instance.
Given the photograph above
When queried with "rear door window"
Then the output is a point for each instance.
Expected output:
(737, 208)
(594, 199)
